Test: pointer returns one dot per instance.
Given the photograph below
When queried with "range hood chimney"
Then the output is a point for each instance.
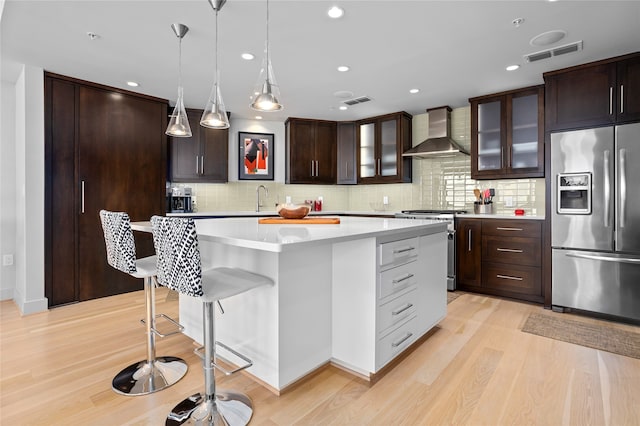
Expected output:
(439, 142)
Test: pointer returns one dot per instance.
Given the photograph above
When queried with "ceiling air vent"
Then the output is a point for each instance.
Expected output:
(358, 100)
(556, 51)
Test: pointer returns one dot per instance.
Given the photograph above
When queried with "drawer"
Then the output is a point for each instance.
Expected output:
(512, 278)
(395, 342)
(398, 251)
(398, 309)
(512, 228)
(398, 278)
(516, 250)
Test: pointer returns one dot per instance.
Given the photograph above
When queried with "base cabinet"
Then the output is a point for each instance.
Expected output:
(500, 257)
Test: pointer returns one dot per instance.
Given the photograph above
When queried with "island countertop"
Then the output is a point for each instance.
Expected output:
(248, 233)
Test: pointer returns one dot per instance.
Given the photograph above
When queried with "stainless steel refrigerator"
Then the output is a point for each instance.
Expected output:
(595, 220)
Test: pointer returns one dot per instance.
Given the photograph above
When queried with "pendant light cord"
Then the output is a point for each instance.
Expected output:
(180, 64)
(268, 61)
(215, 78)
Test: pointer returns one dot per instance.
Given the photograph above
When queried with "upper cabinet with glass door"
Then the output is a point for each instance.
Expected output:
(507, 131)
(381, 142)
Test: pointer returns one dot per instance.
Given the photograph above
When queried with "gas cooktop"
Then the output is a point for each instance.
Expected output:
(434, 211)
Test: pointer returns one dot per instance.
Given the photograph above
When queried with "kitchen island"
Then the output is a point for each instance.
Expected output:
(356, 294)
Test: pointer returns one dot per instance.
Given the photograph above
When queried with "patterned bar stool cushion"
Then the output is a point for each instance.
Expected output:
(118, 236)
(179, 266)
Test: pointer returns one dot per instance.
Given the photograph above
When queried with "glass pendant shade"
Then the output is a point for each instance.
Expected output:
(178, 122)
(215, 114)
(266, 96)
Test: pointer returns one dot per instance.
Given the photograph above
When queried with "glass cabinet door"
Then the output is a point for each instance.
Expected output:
(489, 136)
(524, 132)
(388, 148)
(367, 150)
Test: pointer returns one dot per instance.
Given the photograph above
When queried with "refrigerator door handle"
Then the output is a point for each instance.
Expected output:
(632, 260)
(623, 186)
(607, 188)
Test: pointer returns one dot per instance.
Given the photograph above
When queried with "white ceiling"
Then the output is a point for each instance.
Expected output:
(450, 50)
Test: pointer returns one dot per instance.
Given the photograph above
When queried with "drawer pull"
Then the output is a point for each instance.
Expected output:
(401, 341)
(399, 280)
(499, 228)
(401, 310)
(403, 250)
(507, 277)
(509, 250)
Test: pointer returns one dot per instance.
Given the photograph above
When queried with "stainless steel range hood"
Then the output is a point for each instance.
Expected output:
(439, 143)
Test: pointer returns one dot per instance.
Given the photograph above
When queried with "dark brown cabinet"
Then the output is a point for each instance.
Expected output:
(104, 149)
(500, 257)
(469, 252)
(201, 158)
(507, 134)
(310, 151)
(594, 94)
(381, 142)
(346, 162)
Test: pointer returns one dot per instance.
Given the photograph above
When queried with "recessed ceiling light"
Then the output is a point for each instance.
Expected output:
(92, 35)
(343, 107)
(512, 67)
(335, 12)
(247, 56)
(414, 90)
(132, 84)
(343, 68)
(258, 117)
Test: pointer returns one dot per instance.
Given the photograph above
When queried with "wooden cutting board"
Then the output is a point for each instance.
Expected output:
(304, 220)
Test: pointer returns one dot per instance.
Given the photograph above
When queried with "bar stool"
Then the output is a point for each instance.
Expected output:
(180, 268)
(154, 373)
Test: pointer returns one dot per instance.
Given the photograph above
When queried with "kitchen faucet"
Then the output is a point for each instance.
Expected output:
(266, 194)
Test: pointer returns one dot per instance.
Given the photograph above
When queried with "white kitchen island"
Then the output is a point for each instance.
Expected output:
(356, 293)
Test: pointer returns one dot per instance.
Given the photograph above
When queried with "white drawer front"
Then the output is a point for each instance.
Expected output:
(396, 279)
(393, 312)
(397, 251)
(392, 344)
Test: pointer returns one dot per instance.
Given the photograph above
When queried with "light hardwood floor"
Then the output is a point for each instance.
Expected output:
(478, 368)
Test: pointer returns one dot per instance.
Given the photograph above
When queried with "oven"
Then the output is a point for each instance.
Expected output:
(441, 216)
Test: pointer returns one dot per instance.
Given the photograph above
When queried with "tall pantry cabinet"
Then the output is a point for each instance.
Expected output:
(105, 148)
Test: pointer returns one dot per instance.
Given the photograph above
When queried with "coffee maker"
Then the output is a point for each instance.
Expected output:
(179, 200)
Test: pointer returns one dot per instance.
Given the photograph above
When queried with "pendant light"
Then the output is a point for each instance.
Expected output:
(267, 90)
(215, 114)
(179, 123)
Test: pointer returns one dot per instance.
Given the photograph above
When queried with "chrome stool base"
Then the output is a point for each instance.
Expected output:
(143, 377)
(229, 408)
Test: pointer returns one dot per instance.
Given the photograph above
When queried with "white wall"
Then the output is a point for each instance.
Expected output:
(7, 188)
(29, 190)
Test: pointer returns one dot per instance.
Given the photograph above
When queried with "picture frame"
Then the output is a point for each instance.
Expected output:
(255, 158)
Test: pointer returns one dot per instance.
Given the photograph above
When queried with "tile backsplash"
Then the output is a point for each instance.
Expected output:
(439, 183)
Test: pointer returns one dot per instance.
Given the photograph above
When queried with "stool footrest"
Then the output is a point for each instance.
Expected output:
(249, 363)
(179, 327)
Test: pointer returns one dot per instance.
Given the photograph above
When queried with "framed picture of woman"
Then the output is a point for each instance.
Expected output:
(256, 156)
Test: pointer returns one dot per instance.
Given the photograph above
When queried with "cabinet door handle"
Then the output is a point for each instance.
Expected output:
(346, 169)
(82, 197)
(197, 164)
(509, 250)
(317, 169)
(399, 280)
(469, 239)
(202, 164)
(401, 310)
(403, 250)
(311, 168)
(379, 167)
(402, 340)
(508, 277)
(621, 98)
(610, 100)
(499, 228)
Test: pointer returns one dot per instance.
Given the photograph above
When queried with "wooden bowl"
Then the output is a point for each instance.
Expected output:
(293, 211)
